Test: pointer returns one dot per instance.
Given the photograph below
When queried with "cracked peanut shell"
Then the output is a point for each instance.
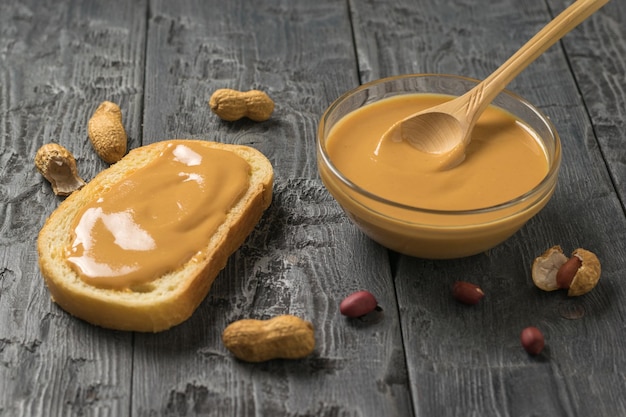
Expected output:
(58, 166)
(546, 266)
(545, 269)
(588, 274)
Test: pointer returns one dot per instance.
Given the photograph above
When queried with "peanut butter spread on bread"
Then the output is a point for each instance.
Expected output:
(158, 217)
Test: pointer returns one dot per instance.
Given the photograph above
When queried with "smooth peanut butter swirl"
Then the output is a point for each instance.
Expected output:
(503, 161)
(158, 217)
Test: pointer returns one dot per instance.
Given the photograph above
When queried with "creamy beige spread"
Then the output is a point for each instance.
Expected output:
(503, 161)
(158, 217)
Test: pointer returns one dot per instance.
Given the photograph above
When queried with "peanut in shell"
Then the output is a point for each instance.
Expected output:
(281, 337)
(106, 132)
(232, 105)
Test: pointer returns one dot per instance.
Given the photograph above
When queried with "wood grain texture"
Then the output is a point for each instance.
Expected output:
(305, 256)
(299, 53)
(290, 265)
(425, 355)
(468, 361)
(57, 62)
(598, 66)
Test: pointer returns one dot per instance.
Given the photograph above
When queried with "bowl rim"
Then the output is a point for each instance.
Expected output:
(535, 192)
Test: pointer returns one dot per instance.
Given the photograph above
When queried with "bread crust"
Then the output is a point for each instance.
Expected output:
(172, 298)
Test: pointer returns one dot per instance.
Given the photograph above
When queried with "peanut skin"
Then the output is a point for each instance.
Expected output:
(231, 105)
(566, 273)
(358, 304)
(467, 293)
(532, 340)
(282, 337)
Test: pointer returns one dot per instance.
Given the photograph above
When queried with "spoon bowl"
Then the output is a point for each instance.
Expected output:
(446, 128)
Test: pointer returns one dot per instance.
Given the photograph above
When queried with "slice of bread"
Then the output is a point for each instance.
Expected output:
(172, 298)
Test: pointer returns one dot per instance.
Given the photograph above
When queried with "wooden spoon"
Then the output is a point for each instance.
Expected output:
(445, 129)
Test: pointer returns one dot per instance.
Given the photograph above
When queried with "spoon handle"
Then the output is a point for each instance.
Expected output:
(569, 18)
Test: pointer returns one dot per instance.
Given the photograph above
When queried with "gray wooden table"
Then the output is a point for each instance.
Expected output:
(427, 355)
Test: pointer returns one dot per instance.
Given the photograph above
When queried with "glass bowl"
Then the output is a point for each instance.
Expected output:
(437, 234)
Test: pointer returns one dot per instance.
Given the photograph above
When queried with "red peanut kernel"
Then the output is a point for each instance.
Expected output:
(532, 340)
(566, 273)
(358, 304)
(467, 293)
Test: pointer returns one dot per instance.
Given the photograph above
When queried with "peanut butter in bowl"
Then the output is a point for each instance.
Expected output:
(404, 199)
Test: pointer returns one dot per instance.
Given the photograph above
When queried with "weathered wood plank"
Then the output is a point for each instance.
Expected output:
(203, 46)
(57, 62)
(596, 52)
(304, 256)
(467, 361)
(290, 265)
